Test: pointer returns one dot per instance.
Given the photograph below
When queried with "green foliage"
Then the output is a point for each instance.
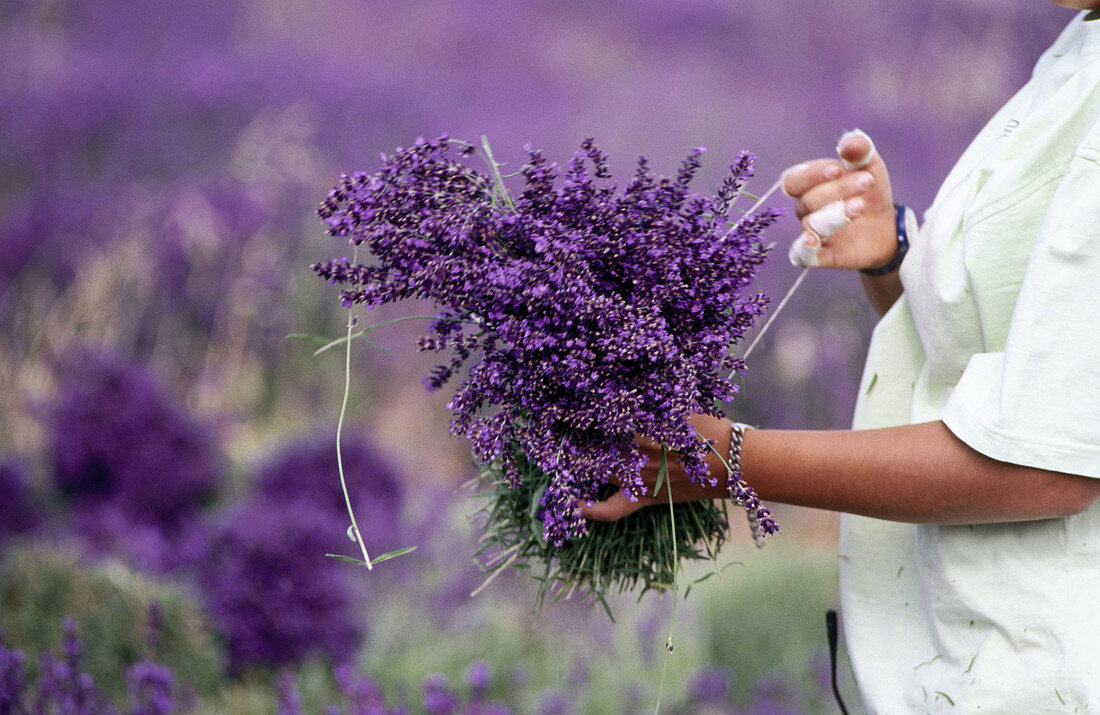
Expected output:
(636, 554)
(760, 614)
(110, 605)
(254, 692)
(377, 559)
(744, 618)
(575, 651)
(767, 617)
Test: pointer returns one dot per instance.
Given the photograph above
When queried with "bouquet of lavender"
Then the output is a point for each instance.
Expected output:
(598, 314)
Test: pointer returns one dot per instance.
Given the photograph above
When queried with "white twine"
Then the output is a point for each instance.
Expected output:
(798, 281)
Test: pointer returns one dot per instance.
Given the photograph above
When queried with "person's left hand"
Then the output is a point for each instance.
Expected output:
(619, 505)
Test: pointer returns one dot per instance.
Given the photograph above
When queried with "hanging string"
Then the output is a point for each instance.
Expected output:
(790, 292)
(761, 200)
(775, 313)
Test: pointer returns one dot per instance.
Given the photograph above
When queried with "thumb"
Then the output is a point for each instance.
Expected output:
(856, 150)
(858, 153)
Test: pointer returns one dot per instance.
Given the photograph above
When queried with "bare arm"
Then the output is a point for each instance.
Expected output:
(881, 291)
(917, 473)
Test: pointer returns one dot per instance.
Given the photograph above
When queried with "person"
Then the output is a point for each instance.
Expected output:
(970, 535)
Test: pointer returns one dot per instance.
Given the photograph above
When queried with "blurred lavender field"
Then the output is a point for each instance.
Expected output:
(164, 449)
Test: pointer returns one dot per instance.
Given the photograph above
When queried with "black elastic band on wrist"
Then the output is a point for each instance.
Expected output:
(899, 254)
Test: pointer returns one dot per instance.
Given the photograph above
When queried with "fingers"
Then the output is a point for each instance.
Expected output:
(827, 220)
(850, 186)
(831, 194)
(867, 170)
(817, 183)
(837, 251)
(804, 251)
(613, 508)
(713, 429)
(856, 151)
(799, 179)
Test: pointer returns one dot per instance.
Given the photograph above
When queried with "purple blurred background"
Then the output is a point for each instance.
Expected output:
(191, 142)
(161, 162)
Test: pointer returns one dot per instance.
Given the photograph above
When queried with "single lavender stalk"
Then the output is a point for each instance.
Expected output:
(62, 686)
(662, 475)
(761, 521)
(152, 689)
(500, 191)
(353, 531)
(760, 201)
(290, 702)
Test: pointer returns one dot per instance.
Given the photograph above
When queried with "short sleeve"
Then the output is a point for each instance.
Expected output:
(1037, 403)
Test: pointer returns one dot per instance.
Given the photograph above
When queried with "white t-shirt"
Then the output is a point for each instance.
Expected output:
(998, 335)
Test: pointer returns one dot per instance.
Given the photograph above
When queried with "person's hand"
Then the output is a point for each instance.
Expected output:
(619, 505)
(845, 206)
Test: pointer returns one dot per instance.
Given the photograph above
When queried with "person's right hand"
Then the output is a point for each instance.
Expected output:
(845, 206)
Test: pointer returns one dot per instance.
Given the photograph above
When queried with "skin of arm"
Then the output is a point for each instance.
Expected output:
(919, 473)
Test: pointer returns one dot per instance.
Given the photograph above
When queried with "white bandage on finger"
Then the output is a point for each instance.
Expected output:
(828, 219)
(867, 158)
(802, 254)
(822, 224)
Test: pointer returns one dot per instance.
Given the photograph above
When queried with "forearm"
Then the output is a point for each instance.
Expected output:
(917, 473)
(881, 291)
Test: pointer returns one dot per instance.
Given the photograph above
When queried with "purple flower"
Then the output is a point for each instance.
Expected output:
(18, 514)
(710, 686)
(478, 678)
(13, 683)
(363, 695)
(152, 689)
(307, 470)
(290, 703)
(119, 441)
(62, 685)
(439, 698)
(154, 625)
(271, 589)
(108, 528)
(598, 314)
(554, 702)
(773, 696)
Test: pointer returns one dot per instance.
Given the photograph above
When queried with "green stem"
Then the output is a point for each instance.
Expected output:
(340, 432)
(500, 191)
(675, 590)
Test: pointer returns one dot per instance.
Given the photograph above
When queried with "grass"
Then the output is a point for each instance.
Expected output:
(762, 617)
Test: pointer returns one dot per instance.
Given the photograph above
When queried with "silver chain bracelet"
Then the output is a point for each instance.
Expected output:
(738, 490)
